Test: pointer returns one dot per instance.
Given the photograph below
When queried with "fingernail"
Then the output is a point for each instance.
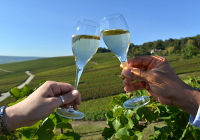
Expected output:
(75, 91)
(127, 72)
(135, 71)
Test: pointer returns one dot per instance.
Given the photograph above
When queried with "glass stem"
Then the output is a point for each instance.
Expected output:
(124, 63)
(78, 76)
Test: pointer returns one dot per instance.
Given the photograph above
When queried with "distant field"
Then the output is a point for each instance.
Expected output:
(100, 78)
(9, 80)
(103, 67)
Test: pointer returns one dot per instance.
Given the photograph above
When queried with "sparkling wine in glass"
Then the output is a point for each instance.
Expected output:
(85, 42)
(116, 35)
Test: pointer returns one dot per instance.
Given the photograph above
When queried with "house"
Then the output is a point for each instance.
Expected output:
(155, 50)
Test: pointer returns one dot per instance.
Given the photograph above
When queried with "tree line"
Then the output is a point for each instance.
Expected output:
(187, 47)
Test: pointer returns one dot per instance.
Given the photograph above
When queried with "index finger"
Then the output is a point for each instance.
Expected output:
(58, 88)
(145, 62)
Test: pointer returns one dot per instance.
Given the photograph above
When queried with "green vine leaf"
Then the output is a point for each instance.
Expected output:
(130, 124)
(121, 132)
(109, 116)
(25, 91)
(138, 134)
(64, 125)
(29, 132)
(20, 93)
(15, 92)
(117, 111)
(129, 113)
(108, 132)
(116, 124)
(70, 136)
(45, 132)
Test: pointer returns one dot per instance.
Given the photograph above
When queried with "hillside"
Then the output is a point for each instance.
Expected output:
(102, 67)
(100, 78)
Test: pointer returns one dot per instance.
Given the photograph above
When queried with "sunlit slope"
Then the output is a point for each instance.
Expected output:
(100, 78)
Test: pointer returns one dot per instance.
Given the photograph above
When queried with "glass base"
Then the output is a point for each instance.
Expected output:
(136, 102)
(70, 113)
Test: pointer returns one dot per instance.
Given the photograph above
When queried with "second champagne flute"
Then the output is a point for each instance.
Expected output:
(116, 36)
(85, 42)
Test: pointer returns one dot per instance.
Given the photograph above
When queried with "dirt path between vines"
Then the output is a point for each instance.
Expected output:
(28, 80)
(100, 123)
(6, 70)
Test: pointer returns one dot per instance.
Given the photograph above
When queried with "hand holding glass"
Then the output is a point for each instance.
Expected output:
(85, 42)
(116, 36)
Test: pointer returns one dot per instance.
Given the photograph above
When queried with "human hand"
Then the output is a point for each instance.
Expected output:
(154, 74)
(41, 103)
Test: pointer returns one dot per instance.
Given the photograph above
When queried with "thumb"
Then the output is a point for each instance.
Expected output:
(134, 73)
(73, 96)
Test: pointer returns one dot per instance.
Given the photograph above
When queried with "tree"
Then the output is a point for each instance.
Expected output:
(189, 51)
(158, 44)
(103, 50)
(198, 41)
(190, 42)
(170, 50)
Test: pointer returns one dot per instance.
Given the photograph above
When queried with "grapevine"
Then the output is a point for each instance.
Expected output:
(129, 124)
(122, 124)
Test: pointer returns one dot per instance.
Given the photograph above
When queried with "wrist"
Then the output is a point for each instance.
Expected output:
(4, 129)
(12, 119)
(195, 93)
(190, 101)
(8, 118)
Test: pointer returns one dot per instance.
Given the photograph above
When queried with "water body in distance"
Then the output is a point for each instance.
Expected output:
(11, 59)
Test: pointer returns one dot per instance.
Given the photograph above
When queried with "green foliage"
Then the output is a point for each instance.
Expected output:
(95, 110)
(168, 47)
(193, 82)
(20, 93)
(170, 50)
(189, 51)
(129, 124)
(103, 50)
(95, 115)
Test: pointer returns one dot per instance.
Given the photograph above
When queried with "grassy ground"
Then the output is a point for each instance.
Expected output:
(89, 130)
(192, 74)
(8, 100)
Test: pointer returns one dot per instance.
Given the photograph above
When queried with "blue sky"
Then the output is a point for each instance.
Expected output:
(44, 27)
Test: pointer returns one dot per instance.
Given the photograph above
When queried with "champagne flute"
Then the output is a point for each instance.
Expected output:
(85, 42)
(116, 36)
